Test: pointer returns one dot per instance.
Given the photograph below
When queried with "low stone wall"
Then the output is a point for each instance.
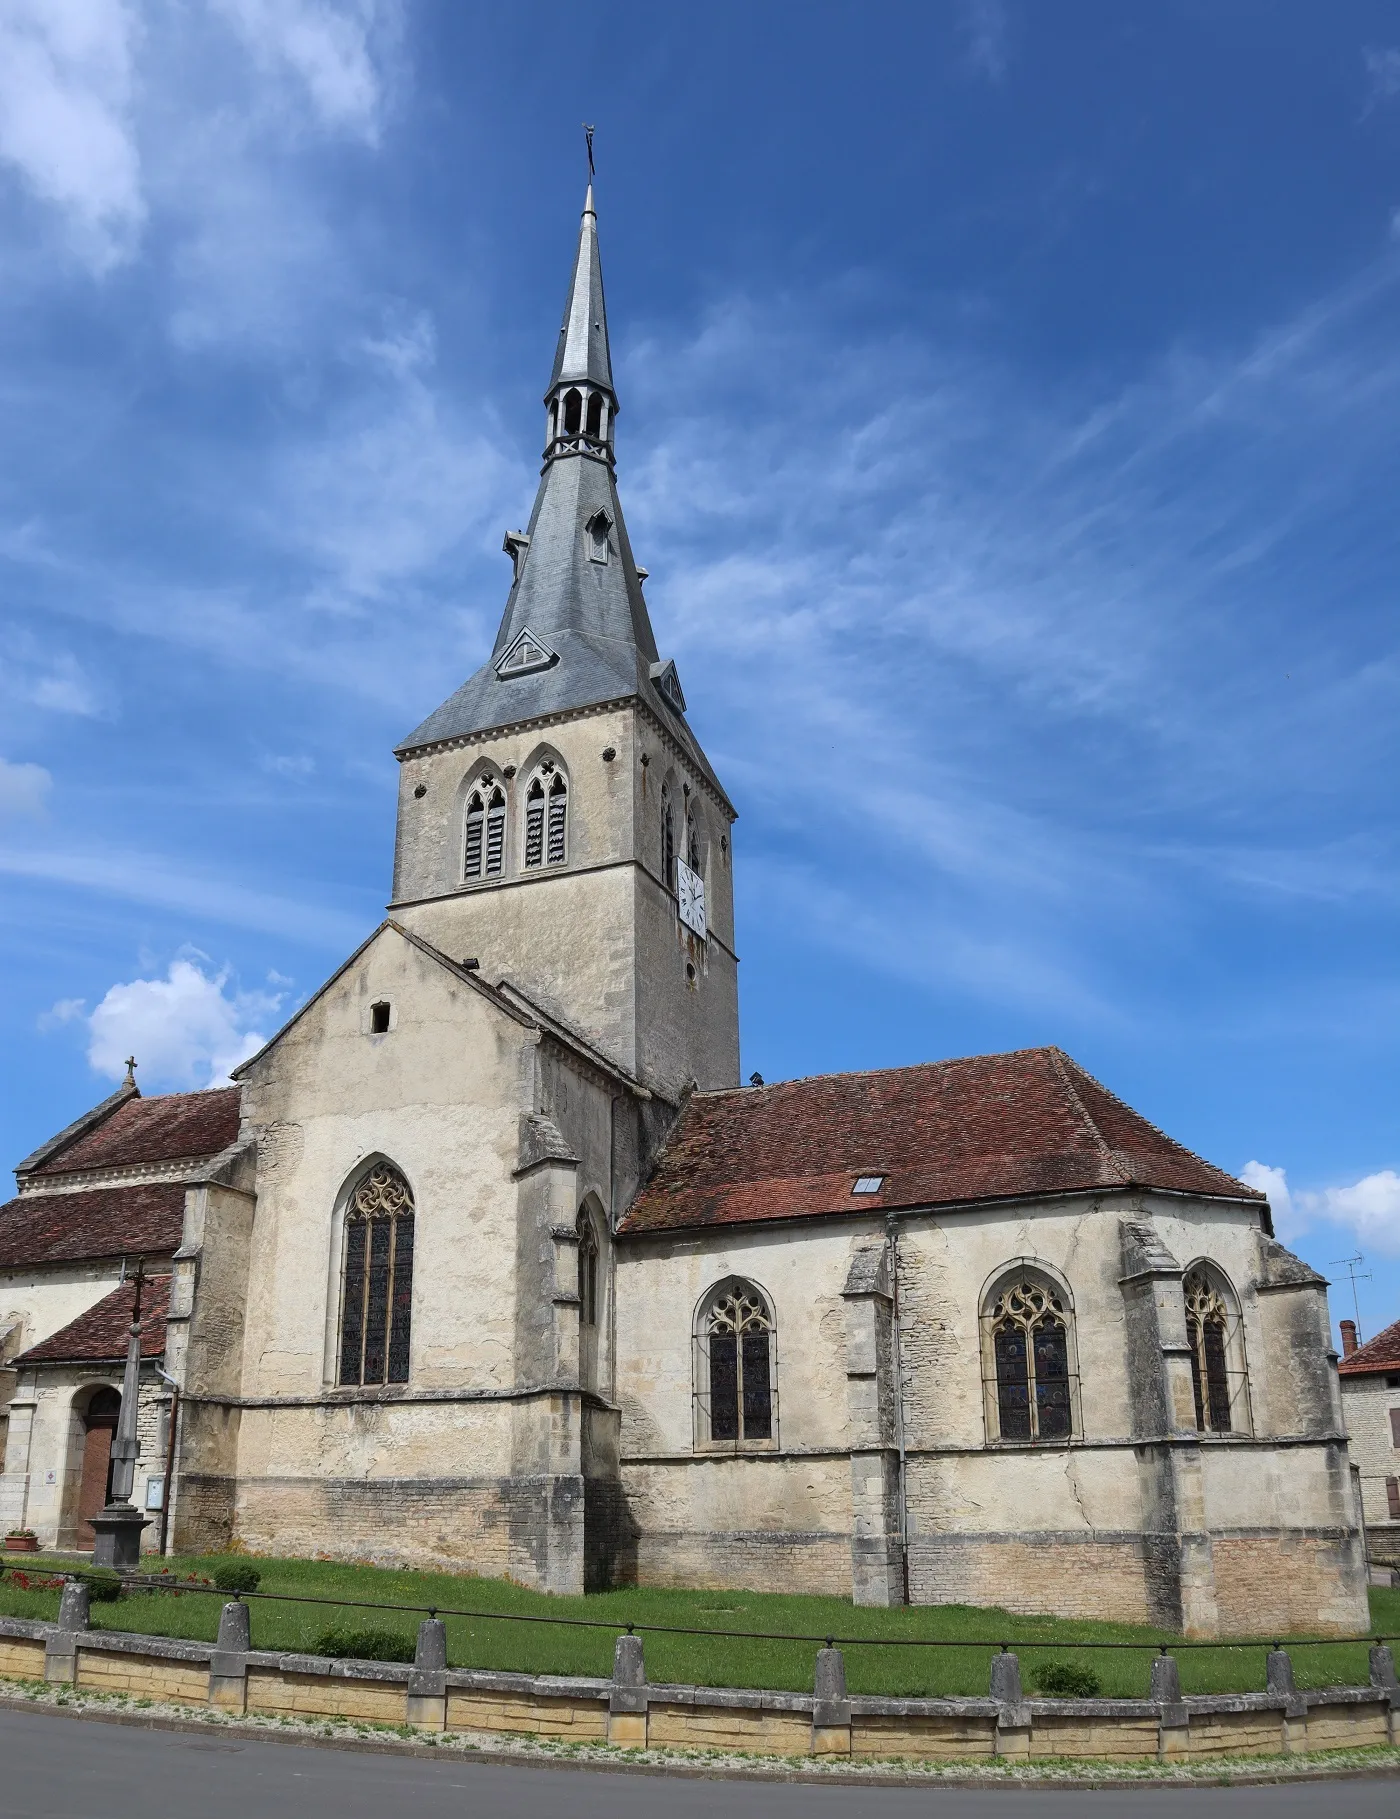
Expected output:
(630, 1712)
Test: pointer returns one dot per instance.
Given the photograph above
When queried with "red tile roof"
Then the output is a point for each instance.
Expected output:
(1379, 1354)
(107, 1222)
(101, 1335)
(986, 1128)
(164, 1129)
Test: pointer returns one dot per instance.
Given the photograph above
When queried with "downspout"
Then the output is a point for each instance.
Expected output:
(169, 1484)
(892, 1249)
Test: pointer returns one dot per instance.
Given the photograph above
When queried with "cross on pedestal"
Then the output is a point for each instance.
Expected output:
(119, 1526)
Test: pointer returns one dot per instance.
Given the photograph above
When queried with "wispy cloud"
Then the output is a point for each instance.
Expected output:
(1382, 74)
(24, 789)
(66, 125)
(986, 34)
(327, 49)
(161, 882)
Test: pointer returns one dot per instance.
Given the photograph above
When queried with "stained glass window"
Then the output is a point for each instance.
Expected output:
(1030, 1361)
(377, 1288)
(737, 1336)
(1208, 1332)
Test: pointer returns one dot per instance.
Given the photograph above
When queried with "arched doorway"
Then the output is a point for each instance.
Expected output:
(99, 1430)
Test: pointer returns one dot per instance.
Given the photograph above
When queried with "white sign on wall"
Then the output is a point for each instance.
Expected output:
(690, 892)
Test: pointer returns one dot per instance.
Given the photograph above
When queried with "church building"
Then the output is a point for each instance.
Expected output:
(489, 1261)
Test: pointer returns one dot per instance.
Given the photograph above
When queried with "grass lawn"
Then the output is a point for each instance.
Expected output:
(712, 1658)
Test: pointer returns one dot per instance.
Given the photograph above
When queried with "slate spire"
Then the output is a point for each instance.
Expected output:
(575, 632)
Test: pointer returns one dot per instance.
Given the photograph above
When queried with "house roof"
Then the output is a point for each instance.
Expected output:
(990, 1127)
(169, 1128)
(101, 1335)
(1379, 1354)
(104, 1222)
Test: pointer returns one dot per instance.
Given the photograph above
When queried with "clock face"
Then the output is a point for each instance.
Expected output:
(690, 893)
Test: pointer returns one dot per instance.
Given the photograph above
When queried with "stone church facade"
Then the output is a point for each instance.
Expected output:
(488, 1260)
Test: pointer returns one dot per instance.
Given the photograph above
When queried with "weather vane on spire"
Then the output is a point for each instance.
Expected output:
(588, 141)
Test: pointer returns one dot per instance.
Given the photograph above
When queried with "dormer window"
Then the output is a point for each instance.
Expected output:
(526, 654)
(597, 528)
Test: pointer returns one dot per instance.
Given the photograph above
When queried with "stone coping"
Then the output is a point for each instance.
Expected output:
(628, 1710)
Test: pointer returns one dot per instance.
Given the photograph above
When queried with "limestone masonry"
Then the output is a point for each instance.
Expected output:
(488, 1260)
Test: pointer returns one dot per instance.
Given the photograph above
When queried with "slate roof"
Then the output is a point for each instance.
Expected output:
(105, 1222)
(101, 1335)
(1379, 1354)
(591, 615)
(168, 1128)
(986, 1128)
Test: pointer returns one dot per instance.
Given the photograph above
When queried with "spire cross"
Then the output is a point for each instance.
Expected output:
(130, 1071)
(140, 1280)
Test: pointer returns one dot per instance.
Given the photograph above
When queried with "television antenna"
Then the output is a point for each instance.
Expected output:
(1349, 1265)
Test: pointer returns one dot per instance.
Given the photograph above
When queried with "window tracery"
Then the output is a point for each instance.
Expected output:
(587, 1270)
(1213, 1332)
(1028, 1359)
(377, 1280)
(735, 1367)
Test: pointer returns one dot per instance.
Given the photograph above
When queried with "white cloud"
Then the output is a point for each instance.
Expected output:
(986, 33)
(24, 788)
(1383, 74)
(186, 1030)
(1368, 1211)
(66, 90)
(326, 47)
(1288, 1223)
(67, 1010)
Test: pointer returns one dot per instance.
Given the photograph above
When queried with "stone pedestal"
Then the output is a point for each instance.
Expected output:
(627, 1700)
(1013, 1733)
(427, 1686)
(118, 1528)
(831, 1709)
(228, 1665)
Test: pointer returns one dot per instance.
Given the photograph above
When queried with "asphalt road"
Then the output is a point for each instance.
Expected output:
(53, 1766)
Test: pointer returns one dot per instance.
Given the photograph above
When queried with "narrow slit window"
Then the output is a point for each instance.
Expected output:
(587, 1271)
(379, 1019)
(668, 841)
(377, 1281)
(692, 843)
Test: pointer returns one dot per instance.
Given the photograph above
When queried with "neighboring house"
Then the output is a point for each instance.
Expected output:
(1370, 1377)
(489, 1260)
(111, 1188)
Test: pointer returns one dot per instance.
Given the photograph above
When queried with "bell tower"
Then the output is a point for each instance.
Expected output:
(558, 821)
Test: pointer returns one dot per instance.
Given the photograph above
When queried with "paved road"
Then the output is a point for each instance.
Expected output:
(53, 1766)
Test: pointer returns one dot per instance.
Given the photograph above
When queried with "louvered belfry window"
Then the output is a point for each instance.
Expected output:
(377, 1292)
(534, 824)
(668, 841)
(483, 853)
(558, 818)
(546, 817)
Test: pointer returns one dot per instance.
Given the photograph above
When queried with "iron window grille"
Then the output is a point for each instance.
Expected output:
(377, 1280)
(1029, 1366)
(736, 1370)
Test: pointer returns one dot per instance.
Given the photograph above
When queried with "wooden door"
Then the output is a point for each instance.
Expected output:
(97, 1474)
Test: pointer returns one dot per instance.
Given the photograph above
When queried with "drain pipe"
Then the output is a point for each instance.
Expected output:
(168, 1486)
(892, 1250)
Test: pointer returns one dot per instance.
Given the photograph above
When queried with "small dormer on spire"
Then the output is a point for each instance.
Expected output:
(580, 403)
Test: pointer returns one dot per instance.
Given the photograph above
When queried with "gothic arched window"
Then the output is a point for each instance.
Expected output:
(573, 410)
(587, 1270)
(692, 842)
(1216, 1338)
(735, 1366)
(376, 1303)
(1028, 1362)
(595, 414)
(668, 840)
(547, 816)
(484, 849)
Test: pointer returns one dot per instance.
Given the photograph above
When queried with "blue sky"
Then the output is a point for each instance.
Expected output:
(1009, 425)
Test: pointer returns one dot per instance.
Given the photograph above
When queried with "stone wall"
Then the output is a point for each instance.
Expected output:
(629, 1712)
(1369, 1403)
